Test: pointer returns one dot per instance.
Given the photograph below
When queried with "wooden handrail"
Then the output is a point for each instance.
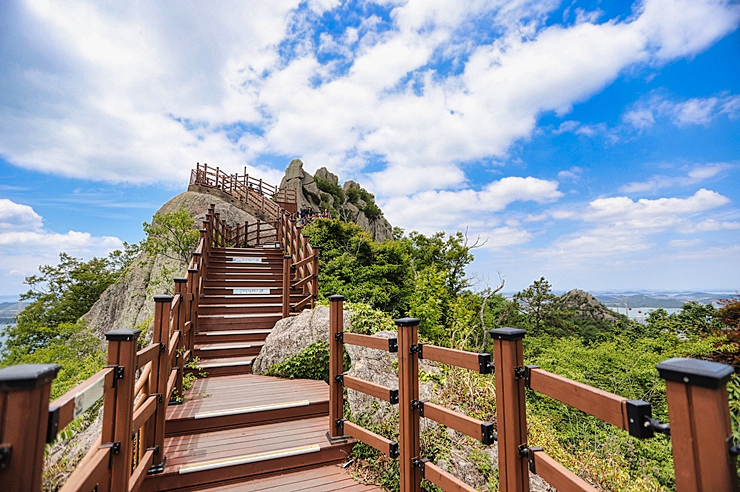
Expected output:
(601, 404)
(372, 389)
(387, 344)
(696, 393)
(372, 439)
(74, 402)
(556, 474)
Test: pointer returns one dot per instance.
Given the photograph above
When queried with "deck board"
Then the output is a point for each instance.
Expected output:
(327, 478)
(245, 390)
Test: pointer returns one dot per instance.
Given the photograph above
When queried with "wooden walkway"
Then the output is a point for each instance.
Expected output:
(236, 430)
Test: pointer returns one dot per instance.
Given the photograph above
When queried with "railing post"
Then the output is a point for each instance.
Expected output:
(159, 375)
(180, 288)
(315, 272)
(701, 433)
(286, 285)
(257, 241)
(24, 416)
(408, 392)
(193, 281)
(511, 413)
(118, 412)
(336, 366)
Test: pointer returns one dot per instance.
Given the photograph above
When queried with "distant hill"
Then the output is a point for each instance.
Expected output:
(658, 300)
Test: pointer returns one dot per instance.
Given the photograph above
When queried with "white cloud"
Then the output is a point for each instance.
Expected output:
(693, 111)
(709, 225)
(25, 244)
(136, 92)
(15, 216)
(695, 175)
(573, 174)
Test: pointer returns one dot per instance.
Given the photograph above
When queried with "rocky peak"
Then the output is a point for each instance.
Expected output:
(348, 202)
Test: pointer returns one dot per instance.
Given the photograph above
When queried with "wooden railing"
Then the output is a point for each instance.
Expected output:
(240, 236)
(300, 265)
(131, 443)
(703, 451)
(264, 197)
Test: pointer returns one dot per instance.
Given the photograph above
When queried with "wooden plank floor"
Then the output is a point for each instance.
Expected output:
(185, 452)
(325, 479)
(259, 398)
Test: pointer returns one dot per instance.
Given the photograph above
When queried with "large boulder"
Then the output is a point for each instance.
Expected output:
(290, 336)
(129, 302)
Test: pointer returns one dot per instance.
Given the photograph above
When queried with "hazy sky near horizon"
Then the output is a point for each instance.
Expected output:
(595, 143)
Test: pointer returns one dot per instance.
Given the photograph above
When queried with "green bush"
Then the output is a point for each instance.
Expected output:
(333, 189)
(311, 363)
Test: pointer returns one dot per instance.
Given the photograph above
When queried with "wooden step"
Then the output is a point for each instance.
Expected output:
(246, 400)
(239, 453)
(322, 479)
(222, 350)
(235, 335)
(228, 366)
(235, 309)
(275, 296)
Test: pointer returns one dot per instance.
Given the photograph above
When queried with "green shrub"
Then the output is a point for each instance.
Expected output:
(311, 363)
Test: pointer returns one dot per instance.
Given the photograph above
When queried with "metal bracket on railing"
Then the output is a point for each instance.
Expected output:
(485, 366)
(393, 345)
(527, 452)
(162, 348)
(393, 397)
(417, 349)
(393, 451)
(115, 448)
(524, 373)
(339, 378)
(641, 422)
(339, 337)
(418, 405)
(154, 469)
(732, 447)
(340, 424)
(487, 436)
(420, 464)
(6, 451)
(159, 397)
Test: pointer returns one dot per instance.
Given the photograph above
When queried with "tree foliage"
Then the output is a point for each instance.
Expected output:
(171, 235)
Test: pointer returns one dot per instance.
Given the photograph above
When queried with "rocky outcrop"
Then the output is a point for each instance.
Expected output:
(129, 302)
(342, 205)
(587, 306)
(292, 335)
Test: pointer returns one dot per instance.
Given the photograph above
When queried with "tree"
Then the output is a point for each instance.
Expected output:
(171, 235)
(537, 302)
(59, 296)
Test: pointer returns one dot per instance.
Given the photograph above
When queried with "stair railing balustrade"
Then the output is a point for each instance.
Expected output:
(240, 236)
(266, 198)
(300, 266)
(131, 444)
(703, 450)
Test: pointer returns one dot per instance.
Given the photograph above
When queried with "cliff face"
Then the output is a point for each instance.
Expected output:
(350, 202)
(129, 302)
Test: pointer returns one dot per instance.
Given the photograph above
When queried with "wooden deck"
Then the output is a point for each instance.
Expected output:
(244, 400)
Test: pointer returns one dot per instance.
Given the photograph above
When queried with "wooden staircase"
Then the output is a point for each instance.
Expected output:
(241, 302)
(236, 430)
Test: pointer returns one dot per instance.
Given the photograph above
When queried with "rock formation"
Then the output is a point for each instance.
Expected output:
(346, 205)
(292, 335)
(129, 302)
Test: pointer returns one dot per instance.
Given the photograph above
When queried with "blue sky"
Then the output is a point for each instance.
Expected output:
(594, 143)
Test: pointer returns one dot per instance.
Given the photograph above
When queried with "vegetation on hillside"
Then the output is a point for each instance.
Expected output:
(572, 335)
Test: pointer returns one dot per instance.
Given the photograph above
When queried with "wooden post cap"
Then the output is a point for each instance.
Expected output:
(122, 335)
(180, 280)
(507, 334)
(163, 298)
(695, 372)
(336, 297)
(192, 270)
(27, 376)
(407, 322)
